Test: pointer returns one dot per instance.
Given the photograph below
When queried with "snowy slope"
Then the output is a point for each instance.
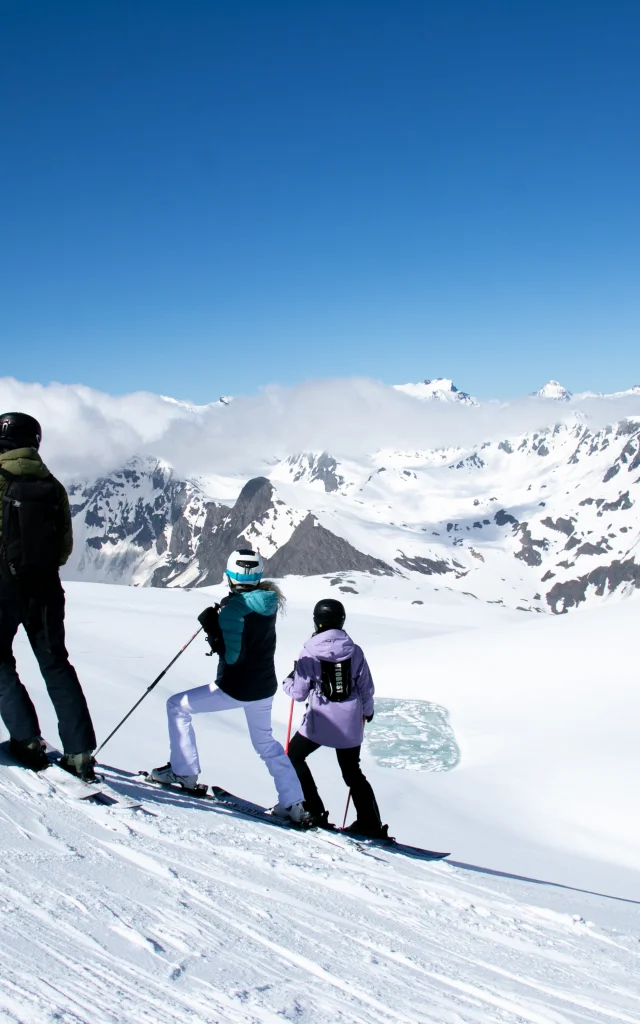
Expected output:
(183, 913)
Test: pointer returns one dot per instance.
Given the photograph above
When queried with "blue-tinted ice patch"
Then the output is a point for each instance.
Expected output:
(412, 734)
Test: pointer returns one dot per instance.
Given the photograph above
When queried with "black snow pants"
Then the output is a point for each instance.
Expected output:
(40, 609)
(349, 760)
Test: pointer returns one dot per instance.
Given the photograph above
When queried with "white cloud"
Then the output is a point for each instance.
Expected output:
(87, 432)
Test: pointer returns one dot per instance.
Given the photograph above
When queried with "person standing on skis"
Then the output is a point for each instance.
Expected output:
(36, 538)
(332, 674)
(242, 632)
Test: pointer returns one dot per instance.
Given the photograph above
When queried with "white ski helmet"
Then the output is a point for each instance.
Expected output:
(245, 567)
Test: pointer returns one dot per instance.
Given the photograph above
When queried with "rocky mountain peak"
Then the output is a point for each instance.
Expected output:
(555, 391)
(439, 389)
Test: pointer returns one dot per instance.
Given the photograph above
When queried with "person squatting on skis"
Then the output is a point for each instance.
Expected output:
(242, 632)
(333, 675)
(36, 538)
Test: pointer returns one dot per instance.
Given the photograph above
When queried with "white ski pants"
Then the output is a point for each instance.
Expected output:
(184, 751)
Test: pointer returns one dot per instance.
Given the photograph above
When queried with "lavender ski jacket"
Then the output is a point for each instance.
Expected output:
(329, 723)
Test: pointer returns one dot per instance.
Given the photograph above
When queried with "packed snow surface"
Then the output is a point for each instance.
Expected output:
(181, 911)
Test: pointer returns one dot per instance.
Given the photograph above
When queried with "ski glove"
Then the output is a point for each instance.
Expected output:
(369, 718)
(208, 619)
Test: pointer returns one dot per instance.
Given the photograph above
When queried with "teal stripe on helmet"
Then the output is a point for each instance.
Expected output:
(245, 577)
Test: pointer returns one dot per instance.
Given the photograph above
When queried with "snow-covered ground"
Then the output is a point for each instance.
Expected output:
(181, 912)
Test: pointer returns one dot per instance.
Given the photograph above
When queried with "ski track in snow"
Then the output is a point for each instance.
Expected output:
(183, 912)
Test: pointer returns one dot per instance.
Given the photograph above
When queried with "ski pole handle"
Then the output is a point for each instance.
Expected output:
(286, 745)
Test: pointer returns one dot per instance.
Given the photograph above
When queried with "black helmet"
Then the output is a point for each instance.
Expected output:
(18, 430)
(329, 614)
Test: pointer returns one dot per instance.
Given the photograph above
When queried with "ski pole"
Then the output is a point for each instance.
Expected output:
(286, 746)
(346, 810)
(148, 690)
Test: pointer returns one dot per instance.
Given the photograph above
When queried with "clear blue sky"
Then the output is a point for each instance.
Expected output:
(202, 197)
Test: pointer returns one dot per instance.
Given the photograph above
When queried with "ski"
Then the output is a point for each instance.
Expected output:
(245, 808)
(222, 796)
(248, 809)
(72, 786)
(392, 845)
(199, 791)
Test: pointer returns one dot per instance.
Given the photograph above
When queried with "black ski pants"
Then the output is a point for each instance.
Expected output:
(41, 611)
(349, 760)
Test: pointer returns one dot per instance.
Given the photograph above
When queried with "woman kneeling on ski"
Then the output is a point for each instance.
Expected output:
(333, 675)
(242, 631)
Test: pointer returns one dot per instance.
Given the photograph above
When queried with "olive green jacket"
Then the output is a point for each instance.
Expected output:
(27, 462)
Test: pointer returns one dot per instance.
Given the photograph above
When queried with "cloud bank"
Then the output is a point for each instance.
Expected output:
(88, 432)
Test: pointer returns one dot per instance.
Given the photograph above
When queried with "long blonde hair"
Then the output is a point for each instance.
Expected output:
(270, 585)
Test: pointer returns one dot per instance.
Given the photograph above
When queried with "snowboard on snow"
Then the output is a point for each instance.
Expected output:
(70, 785)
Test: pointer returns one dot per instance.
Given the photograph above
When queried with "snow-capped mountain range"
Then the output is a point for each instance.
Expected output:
(543, 521)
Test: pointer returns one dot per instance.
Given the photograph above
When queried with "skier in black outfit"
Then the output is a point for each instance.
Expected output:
(36, 538)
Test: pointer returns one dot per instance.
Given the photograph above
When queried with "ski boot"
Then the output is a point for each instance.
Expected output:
(30, 753)
(168, 777)
(81, 765)
(294, 812)
(368, 831)
(321, 821)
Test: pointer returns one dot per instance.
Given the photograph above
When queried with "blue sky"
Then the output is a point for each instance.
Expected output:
(199, 198)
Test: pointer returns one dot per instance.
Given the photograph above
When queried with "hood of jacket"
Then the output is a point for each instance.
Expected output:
(330, 645)
(264, 602)
(23, 462)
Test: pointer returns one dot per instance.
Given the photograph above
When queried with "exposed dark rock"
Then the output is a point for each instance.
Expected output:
(572, 543)
(611, 472)
(587, 548)
(314, 551)
(527, 552)
(547, 576)
(322, 467)
(426, 566)
(622, 502)
(606, 577)
(223, 526)
(348, 590)
(417, 602)
(506, 446)
(471, 462)
(503, 517)
(562, 525)
(93, 518)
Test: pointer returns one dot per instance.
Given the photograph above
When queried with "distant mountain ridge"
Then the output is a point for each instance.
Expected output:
(544, 521)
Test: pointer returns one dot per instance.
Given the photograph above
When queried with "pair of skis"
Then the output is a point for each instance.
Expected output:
(247, 809)
(72, 786)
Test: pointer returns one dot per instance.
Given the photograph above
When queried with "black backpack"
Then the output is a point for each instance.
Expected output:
(335, 681)
(32, 526)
